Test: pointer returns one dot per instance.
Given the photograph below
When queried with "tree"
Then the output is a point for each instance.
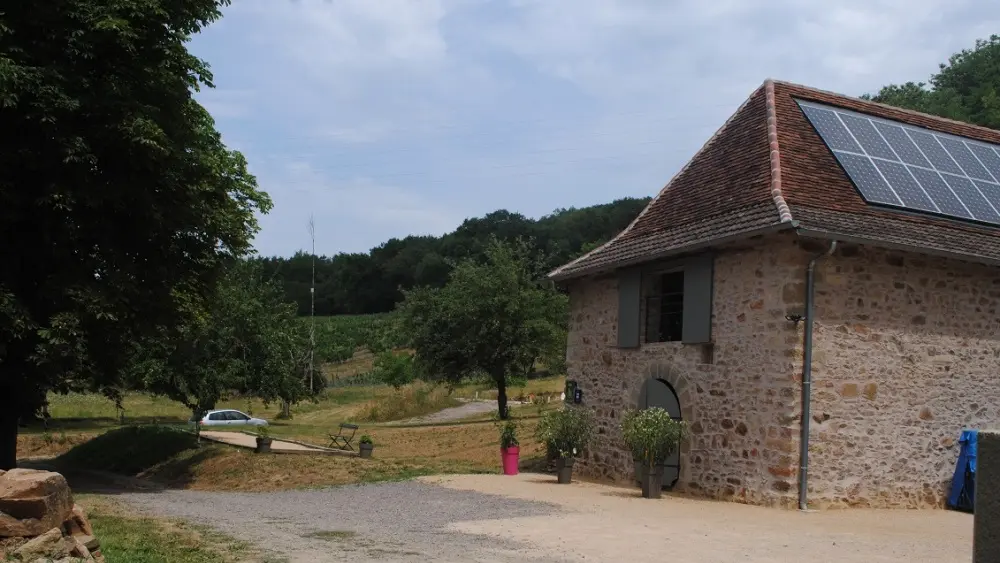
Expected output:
(491, 317)
(371, 282)
(966, 88)
(247, 340)
(119, 203)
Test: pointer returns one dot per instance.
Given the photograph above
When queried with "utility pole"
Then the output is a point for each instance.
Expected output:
(312, 303)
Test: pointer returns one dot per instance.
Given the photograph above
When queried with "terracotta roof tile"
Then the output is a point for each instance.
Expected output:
(725, 187)
(767, 169)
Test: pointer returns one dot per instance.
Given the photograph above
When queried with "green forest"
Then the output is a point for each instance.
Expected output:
(373, 283)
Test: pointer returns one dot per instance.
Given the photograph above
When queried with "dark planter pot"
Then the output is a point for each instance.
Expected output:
(564, 469)
(263, 445)
(652, 482)
(365, 450)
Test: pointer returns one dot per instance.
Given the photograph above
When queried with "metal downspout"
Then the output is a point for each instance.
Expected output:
(807, 378)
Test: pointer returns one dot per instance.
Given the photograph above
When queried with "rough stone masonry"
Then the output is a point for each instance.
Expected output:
(906, 352)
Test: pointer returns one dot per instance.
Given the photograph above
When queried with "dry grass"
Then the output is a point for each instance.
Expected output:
(222, 468)
(541, 387)
(49, 444)
(399, 453)
(362, 362)
(410, 401)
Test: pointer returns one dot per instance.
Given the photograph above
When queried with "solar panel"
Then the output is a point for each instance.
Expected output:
(911, 167)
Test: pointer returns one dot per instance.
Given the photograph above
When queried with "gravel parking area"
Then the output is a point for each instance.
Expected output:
(407, 521)
(530, 518)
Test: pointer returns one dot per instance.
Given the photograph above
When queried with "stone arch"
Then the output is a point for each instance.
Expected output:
(667, 372)
(681, 386)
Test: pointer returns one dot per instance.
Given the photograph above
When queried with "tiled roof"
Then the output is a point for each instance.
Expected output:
(766, 169)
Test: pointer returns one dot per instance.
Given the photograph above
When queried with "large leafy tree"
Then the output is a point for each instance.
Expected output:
(119, 203)
(245, 340)
(492, 316)
(966, 88)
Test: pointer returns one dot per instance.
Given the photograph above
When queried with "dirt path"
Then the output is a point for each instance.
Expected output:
(247, 441)
(530, 518)
(465, 410)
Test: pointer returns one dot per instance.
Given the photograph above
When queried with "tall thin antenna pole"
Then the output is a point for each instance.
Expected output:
(312, 303)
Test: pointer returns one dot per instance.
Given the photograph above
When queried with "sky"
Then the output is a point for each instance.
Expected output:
(385, 118)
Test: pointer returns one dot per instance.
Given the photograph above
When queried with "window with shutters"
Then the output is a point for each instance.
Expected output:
(665, 308)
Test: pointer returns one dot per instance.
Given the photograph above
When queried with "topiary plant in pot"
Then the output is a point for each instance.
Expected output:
(263, 440)
(565, 433)
(651, 435)
(510, 448)
(365, 446)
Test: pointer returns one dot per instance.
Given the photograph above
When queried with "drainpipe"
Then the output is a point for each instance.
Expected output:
(807, 377)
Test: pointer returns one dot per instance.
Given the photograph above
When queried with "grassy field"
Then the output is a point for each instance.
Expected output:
(401, 452)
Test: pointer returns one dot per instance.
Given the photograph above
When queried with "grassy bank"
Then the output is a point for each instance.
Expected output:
(130, 538)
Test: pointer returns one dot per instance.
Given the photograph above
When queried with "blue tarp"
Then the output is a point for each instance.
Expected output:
(963, 485)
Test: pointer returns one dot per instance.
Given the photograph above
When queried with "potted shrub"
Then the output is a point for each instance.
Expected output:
(365, 446)
(263, 439)
(565, 433)
(510, 449)
(652, 436)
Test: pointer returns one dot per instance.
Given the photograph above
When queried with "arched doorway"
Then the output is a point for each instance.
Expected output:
(659, 393)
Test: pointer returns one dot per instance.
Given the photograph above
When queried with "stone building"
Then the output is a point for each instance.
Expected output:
(705, 303)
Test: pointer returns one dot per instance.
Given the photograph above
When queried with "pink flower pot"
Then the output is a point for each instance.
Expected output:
(509, 457)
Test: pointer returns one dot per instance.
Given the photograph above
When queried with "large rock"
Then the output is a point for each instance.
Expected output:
(77, 523)
(50, 545)
(32, 502)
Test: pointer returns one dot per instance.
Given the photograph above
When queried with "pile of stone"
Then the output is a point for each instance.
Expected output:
(39, 521)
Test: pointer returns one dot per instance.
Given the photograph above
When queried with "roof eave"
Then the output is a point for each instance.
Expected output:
(560, 277)
(888, 245)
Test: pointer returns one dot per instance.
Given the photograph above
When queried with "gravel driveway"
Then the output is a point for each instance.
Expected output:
(405, 521)
(530, 518)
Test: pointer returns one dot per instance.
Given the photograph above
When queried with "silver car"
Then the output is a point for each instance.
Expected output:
(229, 417)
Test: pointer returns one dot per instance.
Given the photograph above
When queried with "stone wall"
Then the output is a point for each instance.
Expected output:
(907, 354)
(739, 396)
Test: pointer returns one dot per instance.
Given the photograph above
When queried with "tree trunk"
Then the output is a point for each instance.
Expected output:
(502, 398)
(16, 400)
(8, 432)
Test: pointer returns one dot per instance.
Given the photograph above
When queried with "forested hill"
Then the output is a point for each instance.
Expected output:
(369, 283)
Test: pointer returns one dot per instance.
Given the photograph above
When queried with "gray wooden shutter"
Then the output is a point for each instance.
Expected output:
(629, 305)
(698, 276)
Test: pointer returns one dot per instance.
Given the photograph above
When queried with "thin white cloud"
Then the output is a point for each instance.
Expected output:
(395, 106)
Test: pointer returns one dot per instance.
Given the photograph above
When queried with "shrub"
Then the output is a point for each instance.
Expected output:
(394, 368)
(129, 450)
(651, 434)
(263, 432)
(366, 439)
(567, 431)
(508, 433)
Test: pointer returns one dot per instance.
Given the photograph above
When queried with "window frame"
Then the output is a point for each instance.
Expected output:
(651, 278)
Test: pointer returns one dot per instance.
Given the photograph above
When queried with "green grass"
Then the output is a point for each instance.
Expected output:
(128, 450)
(127, 538)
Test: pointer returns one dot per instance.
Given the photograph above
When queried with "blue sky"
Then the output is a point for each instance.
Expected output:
(383, 118)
